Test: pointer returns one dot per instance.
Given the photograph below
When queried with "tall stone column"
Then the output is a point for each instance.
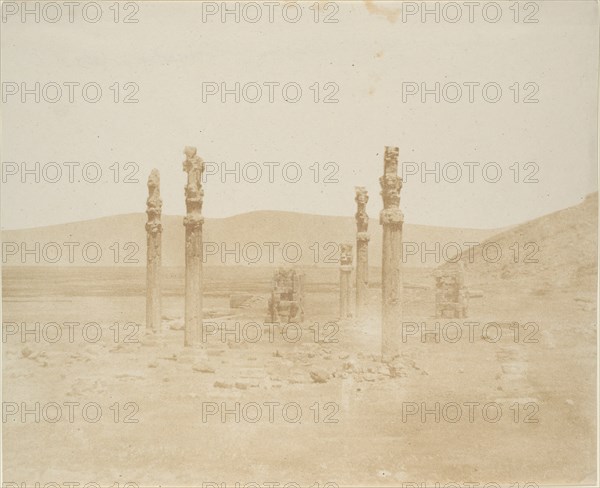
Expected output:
(362, 251)
(392, 219)
(345, 283)
(194, 194)
(153, 253)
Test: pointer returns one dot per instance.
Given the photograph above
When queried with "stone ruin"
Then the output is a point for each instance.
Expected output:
(153, 255)
(345, 283)
(451, 294)
(287, 296)
(194, 196)
(392, 220)
(362, 251)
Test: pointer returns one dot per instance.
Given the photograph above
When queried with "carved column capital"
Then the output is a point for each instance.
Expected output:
(346, 255)
(192, 222)
(391, 216)
(391, 184)
(194, 193)
(362, 219)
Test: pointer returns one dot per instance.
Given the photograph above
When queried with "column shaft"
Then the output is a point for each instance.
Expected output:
(362, 252)
(391, 276)
(153, 253)
(193, 166)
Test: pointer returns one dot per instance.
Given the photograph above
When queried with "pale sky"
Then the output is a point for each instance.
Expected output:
(171, 52)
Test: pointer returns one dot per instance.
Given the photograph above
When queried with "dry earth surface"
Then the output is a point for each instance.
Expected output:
(352, 430)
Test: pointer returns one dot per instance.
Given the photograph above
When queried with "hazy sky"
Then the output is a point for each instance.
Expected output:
(365, 57)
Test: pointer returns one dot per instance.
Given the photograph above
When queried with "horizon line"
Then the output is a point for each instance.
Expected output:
(249, 213)
(297, 213)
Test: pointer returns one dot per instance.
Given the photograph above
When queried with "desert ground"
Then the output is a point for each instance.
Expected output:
(341, 397)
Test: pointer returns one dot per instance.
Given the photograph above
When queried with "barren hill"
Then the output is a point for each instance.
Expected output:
(255, 238)
(558, 250)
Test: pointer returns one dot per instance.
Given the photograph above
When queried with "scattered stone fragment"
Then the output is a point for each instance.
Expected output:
(352, 367)
(177, 325)
(153, 364)
(79, 356)
(214, 352)
(319, 376)
(241, 386)
(203, 368)
(297, 378)
(170, 358)
(396, 369)
(127, 376)
(222, 384)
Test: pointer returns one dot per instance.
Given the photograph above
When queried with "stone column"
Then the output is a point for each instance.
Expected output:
(391, 218)
(153, 253)
(345, 283)
(194, 194)
(362, 251)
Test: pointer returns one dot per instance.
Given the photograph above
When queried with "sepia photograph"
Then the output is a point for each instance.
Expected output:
(299, 244)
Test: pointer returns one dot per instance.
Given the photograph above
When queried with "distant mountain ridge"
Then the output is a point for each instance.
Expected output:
(265, 237)
(554, 251)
